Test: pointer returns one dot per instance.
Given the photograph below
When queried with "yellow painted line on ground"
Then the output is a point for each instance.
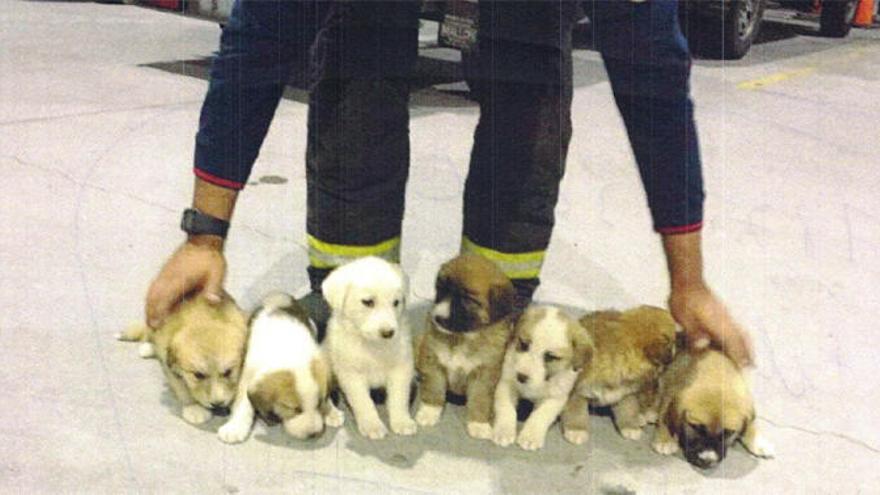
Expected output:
(763, 82)
(786, 75)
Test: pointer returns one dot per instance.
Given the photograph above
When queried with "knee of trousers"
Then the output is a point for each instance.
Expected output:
(358, 144)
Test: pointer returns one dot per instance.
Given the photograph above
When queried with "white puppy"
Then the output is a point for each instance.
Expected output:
(541, 365)
(369, 343)
(286, 376)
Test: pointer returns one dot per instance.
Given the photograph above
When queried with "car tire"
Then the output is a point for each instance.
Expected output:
(837, 17)
(728, 36)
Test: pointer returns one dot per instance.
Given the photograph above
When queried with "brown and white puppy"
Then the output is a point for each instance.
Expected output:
(542, 362)
(463, 349)
(630, 350)
(286, 377)
(201, 347)
(705, 407)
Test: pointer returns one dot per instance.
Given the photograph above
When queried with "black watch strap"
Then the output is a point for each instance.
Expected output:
(195, 222)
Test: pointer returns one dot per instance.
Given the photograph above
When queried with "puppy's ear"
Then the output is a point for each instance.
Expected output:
(673, 418)
(582, 346)
(261, 398)
(501, 300)
(171, 359)
(335, 288)
(660, 353)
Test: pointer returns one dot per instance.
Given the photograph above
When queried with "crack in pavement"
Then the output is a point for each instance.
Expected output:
(820, 433)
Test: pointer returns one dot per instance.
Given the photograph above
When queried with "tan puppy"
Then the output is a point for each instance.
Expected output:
(463, 350)
(630, 350)
(705, 407)
(201, 348)
(541, 364)
(286, 376)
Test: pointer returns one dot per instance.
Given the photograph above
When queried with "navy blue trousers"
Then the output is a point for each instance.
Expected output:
(358, 57)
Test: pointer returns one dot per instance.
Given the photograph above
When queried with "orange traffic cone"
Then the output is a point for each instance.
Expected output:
(864, 14)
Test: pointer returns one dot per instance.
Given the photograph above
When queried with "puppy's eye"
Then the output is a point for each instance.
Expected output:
(227, 373)
(522, 346)
(549, 357)
(699, 429)
(297, 410)
(396, 303)
(199, 375)
(469, 300)
(368, 302)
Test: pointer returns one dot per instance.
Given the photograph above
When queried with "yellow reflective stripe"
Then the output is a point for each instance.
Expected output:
(352, 251)
(469, 245)
(514, 265)
(326, 255)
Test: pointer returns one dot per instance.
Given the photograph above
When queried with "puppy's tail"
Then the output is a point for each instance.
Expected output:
(134, 333)
(277, 300)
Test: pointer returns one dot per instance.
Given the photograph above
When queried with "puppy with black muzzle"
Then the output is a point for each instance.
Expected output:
(705, 407)
(542, 362)
(286, 377)
(629, 351)
(201, 348)
(463, 349)
(369, 342)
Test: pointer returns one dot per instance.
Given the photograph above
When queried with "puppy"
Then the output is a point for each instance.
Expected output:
(463, 349)
(706, 406)
(629, 351)
(369, 343)
(542, 362)
(286, 377)
(201, 347)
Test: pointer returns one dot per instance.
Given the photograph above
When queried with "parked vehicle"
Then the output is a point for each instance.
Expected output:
(727, 28)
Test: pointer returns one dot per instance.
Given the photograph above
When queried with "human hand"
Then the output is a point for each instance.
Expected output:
(194, 267)
(706, 320)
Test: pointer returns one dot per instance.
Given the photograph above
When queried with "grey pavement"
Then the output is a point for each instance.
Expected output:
(98, 108)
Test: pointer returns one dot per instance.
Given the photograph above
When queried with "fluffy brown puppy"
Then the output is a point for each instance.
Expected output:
(201, 347)
(630, 350)
(705, 407)
(463, 350)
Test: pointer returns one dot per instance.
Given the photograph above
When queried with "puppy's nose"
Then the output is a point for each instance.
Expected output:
(387, 333)
(522, 377)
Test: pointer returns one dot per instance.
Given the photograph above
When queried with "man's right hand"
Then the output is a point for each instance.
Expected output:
(195, 267)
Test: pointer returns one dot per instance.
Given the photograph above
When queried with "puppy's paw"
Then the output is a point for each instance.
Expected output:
(648, 417)
(761, 447)
(576, 437)
(146, 350)
(305, 425)
(374, 430)
(531, 438)
(404, 426)
(480, 431)
(631, 433)
(664, 447)
(428, 415)
(233, 432)
(334, 417)
(195, 414)
(504, 434)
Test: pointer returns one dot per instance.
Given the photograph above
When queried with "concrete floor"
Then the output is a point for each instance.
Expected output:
(95, 153)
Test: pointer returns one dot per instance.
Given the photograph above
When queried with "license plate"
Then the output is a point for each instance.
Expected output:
(459, 27)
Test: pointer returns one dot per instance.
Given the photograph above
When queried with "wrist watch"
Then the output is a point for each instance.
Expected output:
(195, 222)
